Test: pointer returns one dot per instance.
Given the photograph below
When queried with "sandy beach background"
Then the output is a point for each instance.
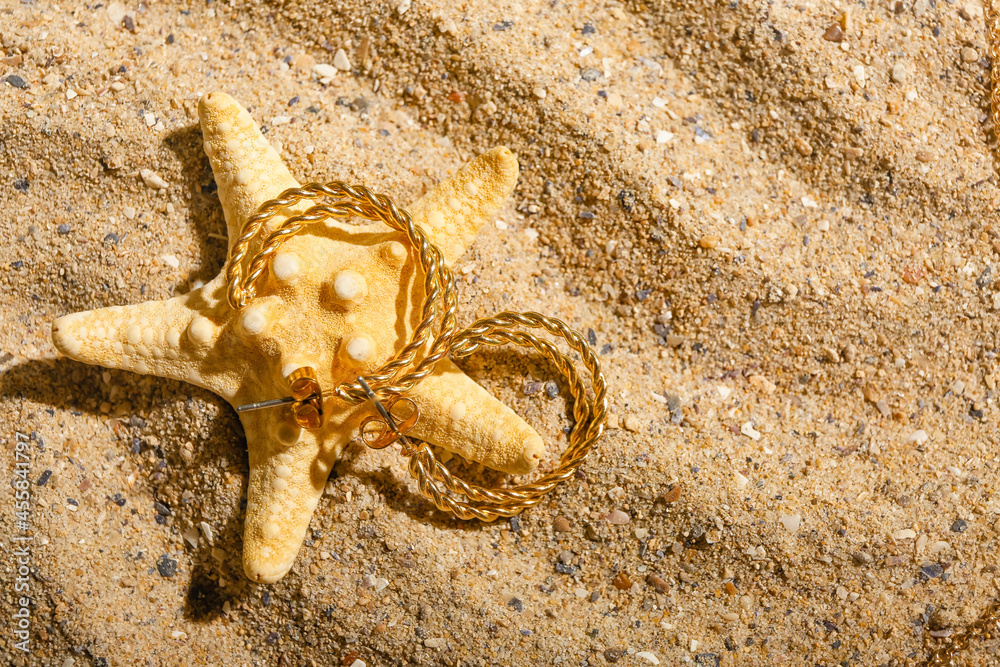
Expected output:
(778, 220)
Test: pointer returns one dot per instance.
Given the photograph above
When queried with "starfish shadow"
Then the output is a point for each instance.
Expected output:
(44, 383)
(207, 221)
(204, 596)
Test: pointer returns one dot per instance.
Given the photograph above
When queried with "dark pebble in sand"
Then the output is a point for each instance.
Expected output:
(166, 565)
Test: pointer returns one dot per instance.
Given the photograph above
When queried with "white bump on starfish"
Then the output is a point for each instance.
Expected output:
(254, 320)
(332, 318)
(201, 331)
(172, 337)
(288, 433)
(360, 348)
(133, 334)
(349, 285)
(394, 251)
(296, 363)
(285, 267)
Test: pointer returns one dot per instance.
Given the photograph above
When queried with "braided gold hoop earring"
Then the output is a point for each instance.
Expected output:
(403, 371)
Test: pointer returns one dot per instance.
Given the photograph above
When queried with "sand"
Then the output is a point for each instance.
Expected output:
(778, 221)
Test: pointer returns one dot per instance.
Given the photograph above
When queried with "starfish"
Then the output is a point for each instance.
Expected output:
(340, 298)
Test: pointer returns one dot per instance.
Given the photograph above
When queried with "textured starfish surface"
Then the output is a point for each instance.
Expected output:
(338, 297)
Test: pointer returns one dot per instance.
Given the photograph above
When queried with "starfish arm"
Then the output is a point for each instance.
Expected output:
(288, 471)
(456, 209)
(167, 338)
(247, 169)
(460, 416)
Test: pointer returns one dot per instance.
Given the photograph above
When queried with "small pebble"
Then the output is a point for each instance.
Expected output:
(899, 73)
(938, 547)
(749, 431)
(931, 571)
(166, 565)
(673, 495)
(152, 179)
(191, 536)
(324, 71)
(659, 583)
(834, 33)
(622, 581)
(340, 61)
(791, 522)
(551, 389)
(618, 518)
(560, 524)
(959, 526)
(633, 423)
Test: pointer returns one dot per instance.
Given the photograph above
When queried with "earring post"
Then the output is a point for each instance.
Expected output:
(265, 404)
(386, 415)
